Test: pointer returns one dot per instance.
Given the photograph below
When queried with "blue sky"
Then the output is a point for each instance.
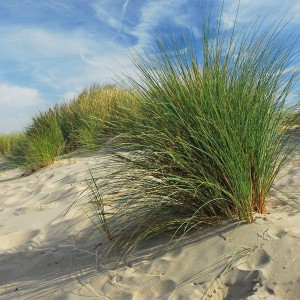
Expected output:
(51, 49)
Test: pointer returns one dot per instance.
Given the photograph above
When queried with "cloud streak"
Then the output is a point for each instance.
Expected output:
(249, 11)
(52, 49)
(24, 96)
(17, 103)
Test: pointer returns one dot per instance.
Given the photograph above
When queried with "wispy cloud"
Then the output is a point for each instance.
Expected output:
(120, 23)
(52, 59)
(18, 96)
(249, 11)
(16, 105)
(155, 13)
(52, 49)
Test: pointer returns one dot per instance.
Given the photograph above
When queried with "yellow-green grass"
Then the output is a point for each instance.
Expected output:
(84, 124)
(293, 118)
(38, 148)
(210, 133)
(208, 128)
(94, 116)
(8, 141)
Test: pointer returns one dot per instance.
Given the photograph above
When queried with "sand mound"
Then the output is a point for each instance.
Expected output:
(43, 256)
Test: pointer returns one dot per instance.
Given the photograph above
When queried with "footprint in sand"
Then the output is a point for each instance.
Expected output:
(293, 232)
(135, 284)
(156, 290)
(281, 233)
(151, 289)
(240, 284)
(15, 240)
(246, 278)
(26, 210)
(257, 260)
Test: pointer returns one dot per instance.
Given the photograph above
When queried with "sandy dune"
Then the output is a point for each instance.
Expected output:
(44, 255)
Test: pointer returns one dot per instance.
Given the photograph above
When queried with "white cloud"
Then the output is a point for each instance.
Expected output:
(15, 120)
(154, 12)
(64, 61)
(68, 96)
(18, 97)
(249, 11)
(59, 62)
(69, 61)
(46, 42)
(17, 106)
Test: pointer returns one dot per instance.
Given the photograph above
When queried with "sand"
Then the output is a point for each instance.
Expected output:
(46, 254)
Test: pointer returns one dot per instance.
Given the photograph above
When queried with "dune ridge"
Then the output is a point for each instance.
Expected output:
(44, 255)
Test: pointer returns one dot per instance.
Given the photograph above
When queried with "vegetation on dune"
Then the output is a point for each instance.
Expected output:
(292, 117)
(8, 142)
(210, 132)
(40, 145)
(87, 122)
(207, 127)
(83, 124)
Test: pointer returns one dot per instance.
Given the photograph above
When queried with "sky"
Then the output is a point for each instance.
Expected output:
(51, 49)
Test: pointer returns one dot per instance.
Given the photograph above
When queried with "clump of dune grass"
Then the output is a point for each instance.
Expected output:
(293, 117)
(209, 133)
(88, 120)
(8, 141)
(38, 147)
(84, 124)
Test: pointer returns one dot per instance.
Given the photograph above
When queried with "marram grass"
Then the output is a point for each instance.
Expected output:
(210, 132)
(8, 141)
(38, 147)
(206, 125)
(87, 120)
(84, 124)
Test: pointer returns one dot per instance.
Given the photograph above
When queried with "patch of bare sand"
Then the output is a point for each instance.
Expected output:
(39, 256)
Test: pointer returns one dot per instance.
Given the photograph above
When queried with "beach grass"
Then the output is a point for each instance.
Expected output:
(8, 141)
(87, 122)
(204, 126)
(293, 117)
(84, 124)
(39, 146)
(210, 132)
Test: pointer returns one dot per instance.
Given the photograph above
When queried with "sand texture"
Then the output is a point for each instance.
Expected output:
(44, 255)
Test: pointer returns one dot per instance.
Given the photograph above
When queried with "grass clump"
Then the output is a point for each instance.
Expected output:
(39, 146)
(87, 122)
(84, 124)
(209, 131)
(8, 142)
(293, 117)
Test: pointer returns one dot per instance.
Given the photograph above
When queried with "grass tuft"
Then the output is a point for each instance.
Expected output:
(206, 125)
(209, 129)
(8, 142)
(84, 124)
(39, 146)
